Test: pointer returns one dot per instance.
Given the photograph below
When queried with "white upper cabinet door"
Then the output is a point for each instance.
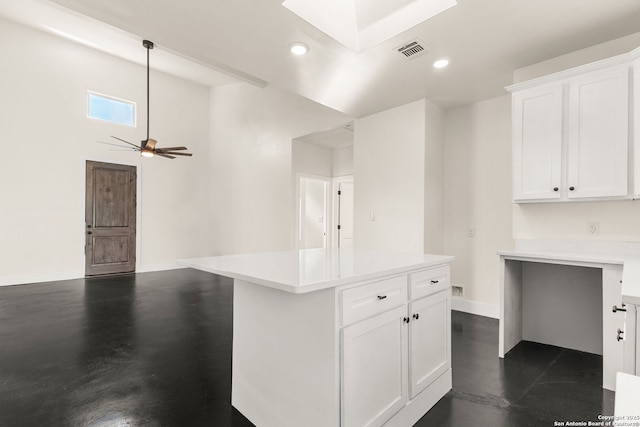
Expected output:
(374, 369)
(537, 143)
(598, 134)
(430, 340)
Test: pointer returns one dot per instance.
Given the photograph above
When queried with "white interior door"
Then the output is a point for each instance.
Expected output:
(345, 214)
(313, 212)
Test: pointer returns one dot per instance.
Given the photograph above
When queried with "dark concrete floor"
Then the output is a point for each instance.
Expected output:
(154, 349)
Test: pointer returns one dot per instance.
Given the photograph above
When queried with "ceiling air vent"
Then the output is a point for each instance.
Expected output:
(412, 49)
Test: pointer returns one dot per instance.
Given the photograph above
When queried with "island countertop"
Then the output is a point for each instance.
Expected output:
(309, 270)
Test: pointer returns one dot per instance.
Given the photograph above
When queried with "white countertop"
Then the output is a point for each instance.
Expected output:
(313, 269)
(630, 263)
(627, 409)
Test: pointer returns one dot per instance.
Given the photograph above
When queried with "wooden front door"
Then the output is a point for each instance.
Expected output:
(110, 217)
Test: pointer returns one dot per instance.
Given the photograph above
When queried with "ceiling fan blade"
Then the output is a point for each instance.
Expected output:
(164, 155)
(118, 145)
(126, 142)
(174, 154)
(171, 148)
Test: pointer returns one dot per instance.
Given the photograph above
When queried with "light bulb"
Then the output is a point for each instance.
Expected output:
(298, 48)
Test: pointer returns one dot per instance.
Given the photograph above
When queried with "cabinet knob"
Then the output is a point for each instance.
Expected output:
(381, 297)
(406, 319)
(416, 316)
(555, 188)
(572, 188)
(619, 337)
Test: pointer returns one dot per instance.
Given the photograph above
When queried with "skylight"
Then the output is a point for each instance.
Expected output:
(362, 24)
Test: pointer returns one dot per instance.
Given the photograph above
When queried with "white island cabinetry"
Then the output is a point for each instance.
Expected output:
(338, 337)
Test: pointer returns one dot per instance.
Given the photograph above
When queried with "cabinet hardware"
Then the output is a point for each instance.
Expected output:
(555, 188)
(416, 316)
(435, 282)
(381, 297)
(620, 333)
(88, 225)
(615, 308)
(406, 319)
(572, 188)
(88, 232)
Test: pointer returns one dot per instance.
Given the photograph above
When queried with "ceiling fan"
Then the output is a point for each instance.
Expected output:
(147, 147)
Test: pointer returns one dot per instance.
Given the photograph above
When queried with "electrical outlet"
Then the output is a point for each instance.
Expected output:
(471, 232)
(593, 228)
(457, 291)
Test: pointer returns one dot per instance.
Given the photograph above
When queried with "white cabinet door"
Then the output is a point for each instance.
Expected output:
(430, 340)
(598, 134)
(537, 143)
(612, 322)
(374, 369)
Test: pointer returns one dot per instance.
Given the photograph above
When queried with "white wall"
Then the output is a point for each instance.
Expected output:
(478, 196)
(434, 180)
(389, 158)
(312, 159)
(46, 139)
(251, 168)
(342, 161)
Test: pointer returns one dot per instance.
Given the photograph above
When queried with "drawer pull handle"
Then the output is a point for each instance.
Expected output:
(406, 319)
(381, 297)
(619, 337)
(435, 282)
(615, 308)
(416, 316)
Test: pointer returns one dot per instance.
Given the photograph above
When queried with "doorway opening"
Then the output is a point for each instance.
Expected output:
(323, 180)
(313, 203)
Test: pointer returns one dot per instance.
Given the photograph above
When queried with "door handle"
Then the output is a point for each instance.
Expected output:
(620, 333)
(616, 308)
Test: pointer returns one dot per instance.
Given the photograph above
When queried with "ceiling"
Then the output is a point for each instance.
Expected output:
(247, 40)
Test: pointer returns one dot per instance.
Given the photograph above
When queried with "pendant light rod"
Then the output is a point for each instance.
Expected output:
(148, 45)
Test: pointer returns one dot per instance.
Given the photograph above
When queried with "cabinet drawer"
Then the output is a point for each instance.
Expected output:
(368, 300)
(427, 282)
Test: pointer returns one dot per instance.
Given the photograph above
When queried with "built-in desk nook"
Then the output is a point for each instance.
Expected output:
(577, 295)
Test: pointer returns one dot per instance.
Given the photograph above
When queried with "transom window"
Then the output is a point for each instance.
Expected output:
(111, 109)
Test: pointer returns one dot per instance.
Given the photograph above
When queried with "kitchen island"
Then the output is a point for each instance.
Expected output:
(329, 337)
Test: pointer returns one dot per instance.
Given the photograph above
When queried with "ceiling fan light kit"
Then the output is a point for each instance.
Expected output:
(147, 147)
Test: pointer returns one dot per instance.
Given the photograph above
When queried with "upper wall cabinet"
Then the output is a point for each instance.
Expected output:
(537, 143)
(599, 134)
(571, 138)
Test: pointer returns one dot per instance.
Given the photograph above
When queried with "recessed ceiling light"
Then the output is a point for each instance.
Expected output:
(441, 63)
(298, 48)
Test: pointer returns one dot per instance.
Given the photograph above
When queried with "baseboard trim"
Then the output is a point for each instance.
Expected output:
(160, 267)
(29, 279)
(478, 308)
